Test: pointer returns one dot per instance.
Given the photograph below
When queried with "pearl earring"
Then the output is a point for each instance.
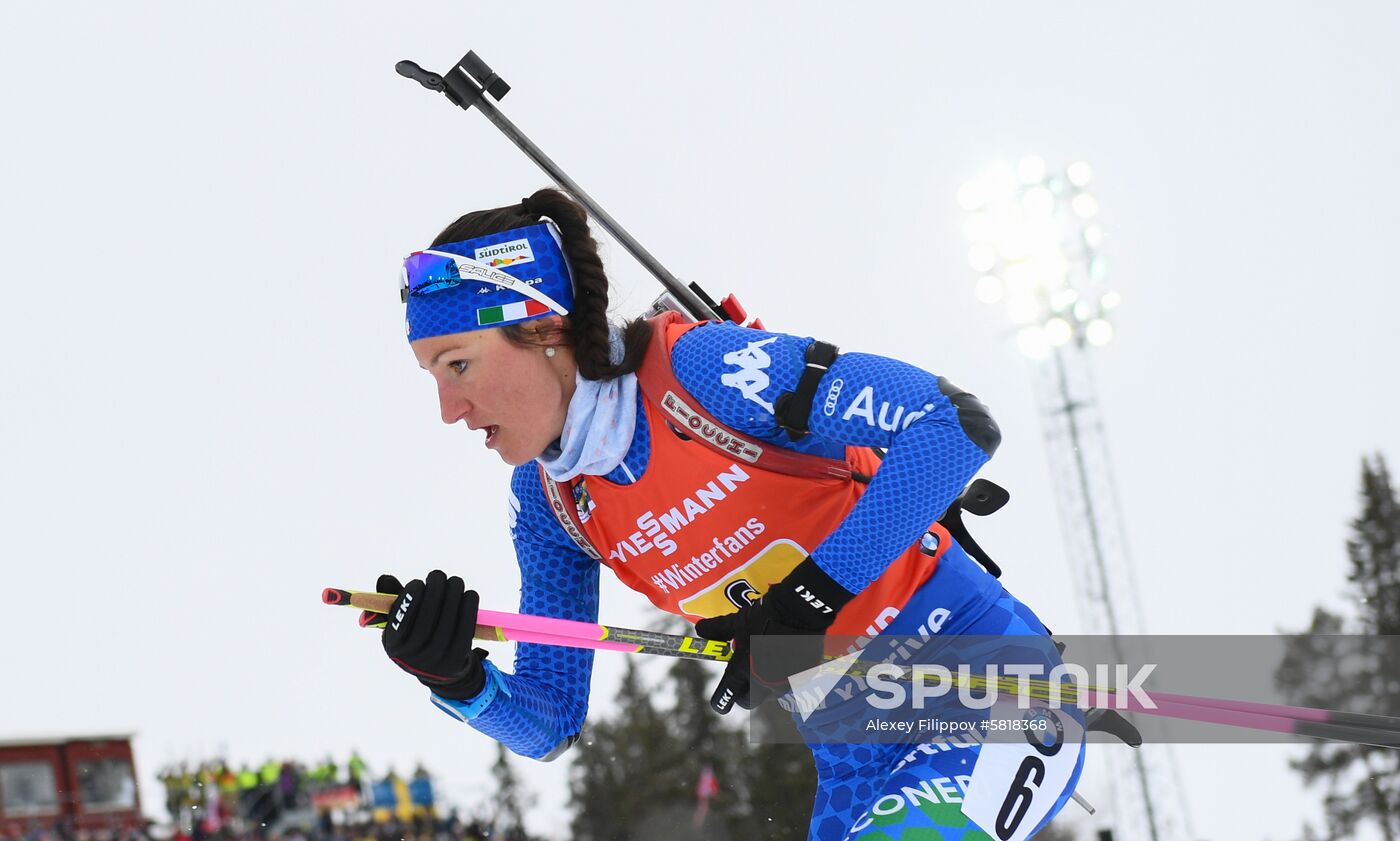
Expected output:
(549, 351)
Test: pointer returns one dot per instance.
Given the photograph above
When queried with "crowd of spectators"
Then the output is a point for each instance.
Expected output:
(291, 801)
(423, 828)
(285, 801)
(214, 793)
(449, 828)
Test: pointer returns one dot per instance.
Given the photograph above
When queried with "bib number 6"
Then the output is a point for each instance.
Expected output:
(1025, 785)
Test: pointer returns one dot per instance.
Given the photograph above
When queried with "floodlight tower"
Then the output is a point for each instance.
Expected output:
(1035, 245)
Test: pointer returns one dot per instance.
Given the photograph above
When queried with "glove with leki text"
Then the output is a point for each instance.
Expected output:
(804, 603)
(428, 633)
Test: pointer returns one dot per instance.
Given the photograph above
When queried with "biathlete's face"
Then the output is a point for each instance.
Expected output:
(518, 395)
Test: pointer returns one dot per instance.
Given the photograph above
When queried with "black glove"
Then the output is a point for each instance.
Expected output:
(428, 633)
(803, 603)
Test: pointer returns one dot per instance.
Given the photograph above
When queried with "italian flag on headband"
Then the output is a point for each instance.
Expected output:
(510, 312)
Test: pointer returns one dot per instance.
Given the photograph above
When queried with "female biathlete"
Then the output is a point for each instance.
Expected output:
(694, 462)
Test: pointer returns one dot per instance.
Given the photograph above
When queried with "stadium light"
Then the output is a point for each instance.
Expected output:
(1034, 244)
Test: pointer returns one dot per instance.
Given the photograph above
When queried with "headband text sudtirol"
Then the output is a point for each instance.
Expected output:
(490, 281)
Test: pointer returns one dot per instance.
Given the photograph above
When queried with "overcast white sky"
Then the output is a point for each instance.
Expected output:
(210, 412)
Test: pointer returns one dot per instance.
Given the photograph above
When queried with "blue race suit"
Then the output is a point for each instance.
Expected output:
(937, 437)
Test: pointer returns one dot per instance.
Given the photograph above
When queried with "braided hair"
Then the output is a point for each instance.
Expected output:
(585, 329)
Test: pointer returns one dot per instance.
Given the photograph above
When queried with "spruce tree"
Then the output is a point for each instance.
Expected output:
(619, 786)
(1358, 671)
(511, 800)
(635, 771)
(782, 783)
(702, 739)
(766, 787)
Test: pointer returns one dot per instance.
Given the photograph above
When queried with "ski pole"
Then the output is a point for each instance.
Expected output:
(1044, 690)
(1381, 737)
(471, 82)
(515, 627)
(1378, 730)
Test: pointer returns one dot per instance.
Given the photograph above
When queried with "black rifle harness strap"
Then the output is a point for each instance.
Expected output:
(792, 408)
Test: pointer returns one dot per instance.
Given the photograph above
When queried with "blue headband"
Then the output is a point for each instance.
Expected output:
(498, 279)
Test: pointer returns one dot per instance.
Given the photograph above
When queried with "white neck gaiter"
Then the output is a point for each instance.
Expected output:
(598, 428)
